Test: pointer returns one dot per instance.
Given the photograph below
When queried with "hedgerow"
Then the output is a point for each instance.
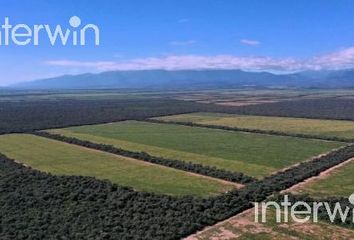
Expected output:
(260, 131)
(236, 177)
(36, 205)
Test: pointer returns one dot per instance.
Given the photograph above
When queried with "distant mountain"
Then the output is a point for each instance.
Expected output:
(193, 79)
(330, 79)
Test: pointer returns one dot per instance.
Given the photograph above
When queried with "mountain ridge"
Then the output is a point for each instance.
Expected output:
(193, 79)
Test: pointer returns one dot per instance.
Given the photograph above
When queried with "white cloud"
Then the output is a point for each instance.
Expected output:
(336, 60)
(182, 43)
(250, 42)
(186, 62)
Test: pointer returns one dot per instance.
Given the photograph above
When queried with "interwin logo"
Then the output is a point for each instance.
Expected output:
(23, 34)
(302, 212)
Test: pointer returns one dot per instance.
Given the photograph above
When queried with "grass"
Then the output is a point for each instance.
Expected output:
(339, 183)
(254, 154)
(65, 159)
(336, 128)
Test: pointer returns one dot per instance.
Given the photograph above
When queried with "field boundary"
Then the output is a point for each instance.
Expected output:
(310, 159)
(195, 235)
(237, 185)
(234, 177)
(321, 176)
(201, 213)
(251, 130)
(288, 188)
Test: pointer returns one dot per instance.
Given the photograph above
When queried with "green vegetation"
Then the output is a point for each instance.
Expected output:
(254, 154)
(338, 183)
(65, 159)
(329, 128)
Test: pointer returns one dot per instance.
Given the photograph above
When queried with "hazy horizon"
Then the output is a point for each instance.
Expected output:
(271, 36)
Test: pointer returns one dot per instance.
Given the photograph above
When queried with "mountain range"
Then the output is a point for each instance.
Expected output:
(194, 79)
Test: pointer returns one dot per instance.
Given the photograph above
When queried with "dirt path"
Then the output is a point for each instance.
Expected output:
(220, 225)
(243, 226)
(242, 220)
(236, 185)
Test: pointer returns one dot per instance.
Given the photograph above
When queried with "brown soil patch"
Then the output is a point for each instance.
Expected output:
(321, 231)
(243, 225)
(236, 185)
(241, 222)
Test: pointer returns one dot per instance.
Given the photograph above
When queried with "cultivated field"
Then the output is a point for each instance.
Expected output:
(326, 128)
(80, 207)
(253, 154)
(334, 183)
(65, 159)
(247, 97)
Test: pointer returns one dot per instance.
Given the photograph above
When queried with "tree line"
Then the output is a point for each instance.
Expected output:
(322, 108)
(36, 205)
(250, 130)
(236, 177)
(26, 116)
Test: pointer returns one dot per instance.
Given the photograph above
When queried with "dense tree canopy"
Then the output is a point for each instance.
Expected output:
(322, 108)
(35, 204)
(26, 116)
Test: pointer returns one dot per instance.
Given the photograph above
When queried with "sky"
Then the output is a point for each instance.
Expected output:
(272, 35)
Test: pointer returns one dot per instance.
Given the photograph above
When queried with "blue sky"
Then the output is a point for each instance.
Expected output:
(272, 35)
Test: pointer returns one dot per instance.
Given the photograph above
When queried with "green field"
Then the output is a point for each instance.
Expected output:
(65, 159)
(331, 128)
(254, 154)
(340, 182)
